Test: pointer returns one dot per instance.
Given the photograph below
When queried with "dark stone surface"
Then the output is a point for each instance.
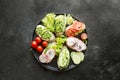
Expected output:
(18, 18)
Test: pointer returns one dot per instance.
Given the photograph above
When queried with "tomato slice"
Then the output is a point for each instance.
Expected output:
(70, 33)
(78, 25)
(74, 30)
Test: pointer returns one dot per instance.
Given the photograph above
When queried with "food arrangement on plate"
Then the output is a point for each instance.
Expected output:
(61, 36)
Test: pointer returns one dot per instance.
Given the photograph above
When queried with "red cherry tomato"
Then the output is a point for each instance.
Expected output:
(34, 44)
(83, 36)
(44, 43)
(39, 49)
(38, 40)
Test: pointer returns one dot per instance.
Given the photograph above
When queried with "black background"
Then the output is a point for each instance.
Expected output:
(18, 18)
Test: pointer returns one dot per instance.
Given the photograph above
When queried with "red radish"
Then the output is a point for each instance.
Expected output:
(34, 44)
(83, 36)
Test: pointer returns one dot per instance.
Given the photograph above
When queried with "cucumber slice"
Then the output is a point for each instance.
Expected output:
(77, 57)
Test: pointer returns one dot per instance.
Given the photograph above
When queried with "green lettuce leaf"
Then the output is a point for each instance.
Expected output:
(48, 21)
(59, 44)
(69, 19)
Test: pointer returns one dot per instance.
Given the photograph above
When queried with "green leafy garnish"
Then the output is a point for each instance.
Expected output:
(85, 41)
(48, 21)
(59, 44)
(69, 19)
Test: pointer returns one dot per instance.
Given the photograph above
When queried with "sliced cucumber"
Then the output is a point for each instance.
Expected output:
(77, 57)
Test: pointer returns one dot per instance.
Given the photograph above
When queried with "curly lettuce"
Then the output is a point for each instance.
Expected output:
(69, 19)
(48, 21)
(59, 44)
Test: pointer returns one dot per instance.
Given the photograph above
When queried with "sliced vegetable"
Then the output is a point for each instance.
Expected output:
(77, 57)
(59, 44)
(64, 58)
(45, 34)
(60, 24)
(48, 21)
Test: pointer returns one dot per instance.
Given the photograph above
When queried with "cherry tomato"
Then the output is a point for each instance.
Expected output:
(44, 43)
(38, 40)
(83, 36)
(39, 49)
(34, 44)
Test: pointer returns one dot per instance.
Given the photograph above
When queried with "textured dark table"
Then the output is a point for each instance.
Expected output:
(18, 18)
